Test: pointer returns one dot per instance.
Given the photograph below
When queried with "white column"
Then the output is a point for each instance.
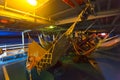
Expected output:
(23, 43)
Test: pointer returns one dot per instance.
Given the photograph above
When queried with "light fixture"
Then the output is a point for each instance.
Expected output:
(51, 27)
(32, 2)
(103, 34)
(4, 21)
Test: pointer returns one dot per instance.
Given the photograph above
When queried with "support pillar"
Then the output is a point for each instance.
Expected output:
(23, 43)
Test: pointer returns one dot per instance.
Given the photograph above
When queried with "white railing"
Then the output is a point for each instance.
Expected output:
(13, 46)
(11, 50)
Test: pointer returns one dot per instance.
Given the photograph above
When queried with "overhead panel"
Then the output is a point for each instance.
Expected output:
(99, 15)
(52, 7)
(21, 5)
(21, 14)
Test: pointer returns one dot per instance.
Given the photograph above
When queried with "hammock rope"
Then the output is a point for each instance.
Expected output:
(80, 49)
(70, 30)
(90, 26)
(101, 41)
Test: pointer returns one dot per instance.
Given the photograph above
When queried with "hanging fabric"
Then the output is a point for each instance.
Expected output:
(43, 43)
(35, 54)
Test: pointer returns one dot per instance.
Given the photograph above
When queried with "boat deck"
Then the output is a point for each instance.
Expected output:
(108, 61)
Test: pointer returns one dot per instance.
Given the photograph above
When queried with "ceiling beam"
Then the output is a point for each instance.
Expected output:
(96, 27)
(61, 12)
(98, 5)
(99, 15)
(20, 15)
(115, 19)
(108, 26)
(108, 7)
(77, 7)
(109, 4)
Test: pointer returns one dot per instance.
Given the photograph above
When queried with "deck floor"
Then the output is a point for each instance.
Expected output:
(108, 61)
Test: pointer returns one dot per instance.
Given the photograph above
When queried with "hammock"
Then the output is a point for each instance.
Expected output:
(41, 58)
(86, 46)
(1, 51)
(63, 43)
(35, 54)
(44, 43)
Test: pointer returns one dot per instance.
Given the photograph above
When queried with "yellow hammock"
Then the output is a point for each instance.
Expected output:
(41, 58)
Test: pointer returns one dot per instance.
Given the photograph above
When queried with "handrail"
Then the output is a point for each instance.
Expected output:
(13, 46)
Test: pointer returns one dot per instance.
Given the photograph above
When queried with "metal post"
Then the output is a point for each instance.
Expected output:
(23, 43)
(23, 38)
(53, 37)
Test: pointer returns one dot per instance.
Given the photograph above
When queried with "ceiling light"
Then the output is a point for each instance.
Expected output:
(51, 27)
(103, 34)
(32, 2)
(4, 21)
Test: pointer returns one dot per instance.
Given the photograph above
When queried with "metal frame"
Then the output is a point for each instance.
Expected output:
(99, 15)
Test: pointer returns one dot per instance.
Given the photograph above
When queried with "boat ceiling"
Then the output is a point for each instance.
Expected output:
(15, 15)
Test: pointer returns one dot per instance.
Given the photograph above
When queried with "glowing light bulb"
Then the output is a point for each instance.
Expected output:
(103, 34)
(51, 27)
(32, 2)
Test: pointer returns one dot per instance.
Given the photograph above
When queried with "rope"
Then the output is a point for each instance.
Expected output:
(76, 47)
(29, 38)
(109, 33)
(90, 26)
(77, 52)
(101, 41)
(57, 35)
(69, 31)
(30, 76)
(28, 35)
